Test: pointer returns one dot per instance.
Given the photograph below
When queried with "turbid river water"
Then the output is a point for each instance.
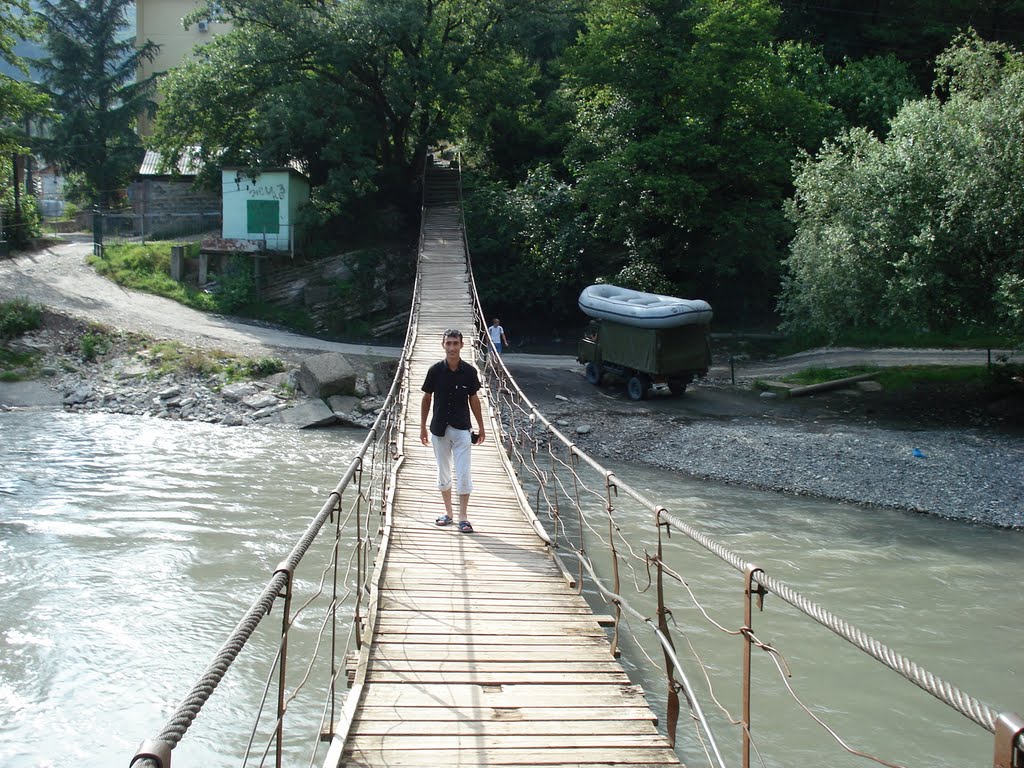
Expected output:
(130, 547)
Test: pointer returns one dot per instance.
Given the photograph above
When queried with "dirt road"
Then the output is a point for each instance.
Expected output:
(59, 278)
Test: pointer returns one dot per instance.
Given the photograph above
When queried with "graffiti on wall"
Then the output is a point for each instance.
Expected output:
(268, 191)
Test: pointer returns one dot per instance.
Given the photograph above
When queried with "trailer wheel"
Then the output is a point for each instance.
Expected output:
(638, 386)
(677, 386)
(592, 374)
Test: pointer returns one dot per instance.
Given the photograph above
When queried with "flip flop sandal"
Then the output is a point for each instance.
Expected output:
(443, 520)
(465, 526)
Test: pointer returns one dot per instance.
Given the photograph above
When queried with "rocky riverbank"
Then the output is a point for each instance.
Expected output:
(865, 448)
(906, 451)
(84, 368)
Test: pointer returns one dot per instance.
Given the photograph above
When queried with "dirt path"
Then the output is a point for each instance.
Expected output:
(59, 278)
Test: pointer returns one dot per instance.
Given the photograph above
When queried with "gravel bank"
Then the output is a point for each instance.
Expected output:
(969, 474)
(960, 475)
(966, 474)
(854, 446)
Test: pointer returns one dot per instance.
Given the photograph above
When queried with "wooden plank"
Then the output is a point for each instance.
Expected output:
(497, 609)
(524, 695)
(578, 716)
(493, 742)
(480, 641)
(494, 593)
(651, 756)
(544, 652)
(430, 590)
(445, 677)
(495, 664)
(480, 653)
(374, 727)
(389, 626)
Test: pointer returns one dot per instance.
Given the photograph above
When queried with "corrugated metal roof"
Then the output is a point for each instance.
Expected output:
(292, 165)
(188, 164)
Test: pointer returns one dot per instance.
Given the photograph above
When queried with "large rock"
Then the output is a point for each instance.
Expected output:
(384, 375)
(343, 404)
(313, 413)
(325, 375)
(235, 392)
(260, 400)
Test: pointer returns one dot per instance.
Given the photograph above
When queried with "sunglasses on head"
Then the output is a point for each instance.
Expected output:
(453, 332)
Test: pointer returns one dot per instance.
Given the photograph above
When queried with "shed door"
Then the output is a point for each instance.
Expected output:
(263, 216)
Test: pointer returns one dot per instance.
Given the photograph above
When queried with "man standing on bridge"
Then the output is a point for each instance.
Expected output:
(497, 335)
(452, 384)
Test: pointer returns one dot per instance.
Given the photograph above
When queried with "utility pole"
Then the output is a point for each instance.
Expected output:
(16, 227)
(29, 186)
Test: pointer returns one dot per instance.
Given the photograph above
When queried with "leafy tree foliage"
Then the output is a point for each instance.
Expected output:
(90, 76)
(527, 258)
(646, 142)
(914, 30)
(18, 102)
(21, 218)
(17, 99)
(356, 91)
(869, 92)
(925, 229)
(687, 121)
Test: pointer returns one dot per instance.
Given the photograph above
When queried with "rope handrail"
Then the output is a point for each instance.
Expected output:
(148, 756)
(970, 707)
(533, 447)
(502, 382)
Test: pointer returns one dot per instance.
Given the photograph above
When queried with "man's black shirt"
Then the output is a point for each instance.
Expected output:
(451, 391)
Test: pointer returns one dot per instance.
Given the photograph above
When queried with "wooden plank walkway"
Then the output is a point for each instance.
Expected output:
(482, 654)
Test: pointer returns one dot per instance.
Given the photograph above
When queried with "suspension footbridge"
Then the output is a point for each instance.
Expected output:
(425, 646)
(480, 653)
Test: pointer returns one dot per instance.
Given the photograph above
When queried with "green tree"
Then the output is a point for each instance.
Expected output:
(527, 249)
(688, 119)
(17, 99)
(870, 91)
(923, 230)
(90, 76)
(356, 91)
(914, 30)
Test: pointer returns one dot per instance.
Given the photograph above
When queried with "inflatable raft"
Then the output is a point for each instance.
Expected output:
(642, 310)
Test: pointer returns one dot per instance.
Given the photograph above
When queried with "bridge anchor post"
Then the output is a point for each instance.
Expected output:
(1009, 732)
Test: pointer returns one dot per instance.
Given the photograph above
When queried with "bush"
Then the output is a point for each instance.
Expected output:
(19, 316)
(94, 344)
(263, 366)
(237, 286)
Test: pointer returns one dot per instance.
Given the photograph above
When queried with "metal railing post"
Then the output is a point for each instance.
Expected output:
(616, 583)
(750, 590)
(1009, 732)
(672, 698)
(289, 572)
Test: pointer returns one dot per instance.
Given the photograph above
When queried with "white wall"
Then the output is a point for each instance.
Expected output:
(272, 198)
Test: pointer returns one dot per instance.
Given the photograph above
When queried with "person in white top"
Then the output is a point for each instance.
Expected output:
(497, 335)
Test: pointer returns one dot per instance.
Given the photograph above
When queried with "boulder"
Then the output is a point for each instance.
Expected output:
(325, 375)
(343, 404)
(384, 375)
(235, 392)
(314, 413)
(78, 395)
(260, 400)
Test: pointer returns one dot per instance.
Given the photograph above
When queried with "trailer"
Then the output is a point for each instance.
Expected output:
(645, 357)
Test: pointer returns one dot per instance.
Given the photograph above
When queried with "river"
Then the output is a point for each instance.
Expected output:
(129, 548)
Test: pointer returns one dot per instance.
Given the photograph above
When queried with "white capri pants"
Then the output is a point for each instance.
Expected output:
(457, 443)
